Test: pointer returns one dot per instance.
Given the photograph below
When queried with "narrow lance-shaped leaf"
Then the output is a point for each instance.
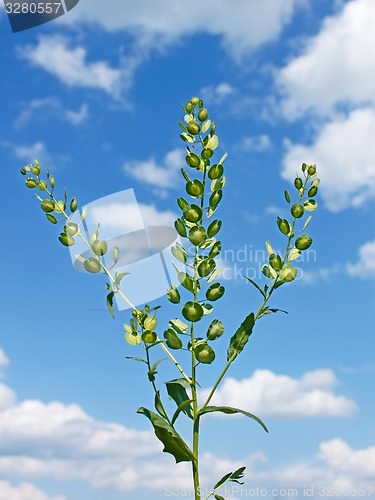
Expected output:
(256, 286)
(241, 337)
(158, 405)
(230, 477)
(172, 441)
(230, 411)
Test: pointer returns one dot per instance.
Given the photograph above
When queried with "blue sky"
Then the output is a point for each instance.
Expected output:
(96, 96)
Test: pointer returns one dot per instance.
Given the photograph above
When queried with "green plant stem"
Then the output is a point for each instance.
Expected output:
(119, 291)
(154, 385)
(195, 462)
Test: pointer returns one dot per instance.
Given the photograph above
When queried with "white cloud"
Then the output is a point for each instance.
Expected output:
(24, 491)
(344, 151)
(217, 94)
(268, 394)
(250, 24)
(70, 65)
(30, 152)
(50, 107)
(256, 143)
(365, 266)
(335, 67)
(164, 176)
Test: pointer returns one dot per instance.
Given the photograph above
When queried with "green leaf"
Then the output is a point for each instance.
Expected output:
(152, 372)
(230, 411)
(177, 391)
(241, 337)
(287, 197)
(136, 359)
(180, 409)
(230, 477)
(219, 497)
(256, 286)
(109, 303)
(158, 405)
(172, 441)
(119, 277)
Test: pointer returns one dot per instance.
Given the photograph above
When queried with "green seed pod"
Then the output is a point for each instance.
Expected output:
(150, 323)
(194, 188)
(66, 240)
(193, 160)
(204, 353)
(194, 100)
(197, 235)
(92, 265)
(52, 181)
(215, 198)
(193, 127)
(48, 206)
(206, 267)
(192, 311)
(297, 210)
(189, 107)
(311, 170)
(73, 205)
(283, 225)
(186, 281)
(149, 337)
(180, 227)
(31, 183)
(173, 295)
(42, 185)
(71, 229)
(288, 273)
(215, 172)
(304, 166)
(215, 292)
(214, 228)
(312, 191)
(275, 262)
(303, 242)
(23, 171)
(203, 114)
(99, 247)
(59, 207)
(193, 213)
(215, 250)
(215, 330)
(266, 271)
(182, 203)
(172, 340)
(207, 153)
(51, 218)
(298, 182)
(36, 170)
(213, 129)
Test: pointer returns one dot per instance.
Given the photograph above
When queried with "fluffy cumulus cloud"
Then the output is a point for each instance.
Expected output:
(71, 66)
(335, 66)
(63, 443)
(24, 491)
(164, 175)
(243, 28)
(268, 394)
(257, 143)
(365, 266)
(344, 151)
